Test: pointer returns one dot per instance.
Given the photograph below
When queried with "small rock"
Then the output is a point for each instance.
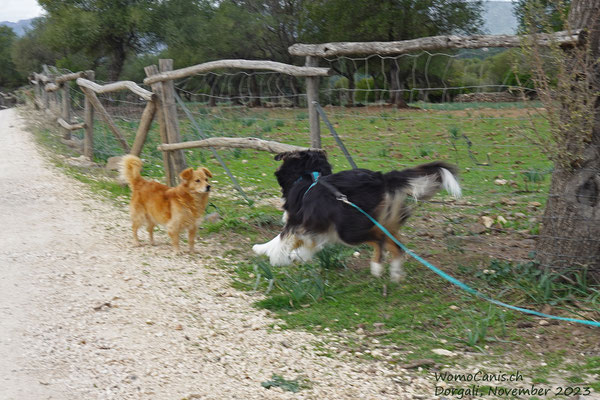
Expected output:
(543, 322)
(500, 182)
(535, 204)
(547, 309)
(81, 161)
(524, 325)
(476, 228)
(455, 308)
(356, 254)
(102, 306)
(418, 363)
(443, 352)
(212, 217)
(487, 221)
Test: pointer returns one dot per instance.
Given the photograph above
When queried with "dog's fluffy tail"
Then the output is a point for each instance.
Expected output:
(130, 169)
(424, 181)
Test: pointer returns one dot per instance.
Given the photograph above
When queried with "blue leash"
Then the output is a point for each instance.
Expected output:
(453, 280)
(315, 177)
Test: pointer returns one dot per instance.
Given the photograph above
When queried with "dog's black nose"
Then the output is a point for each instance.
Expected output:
(208, 188)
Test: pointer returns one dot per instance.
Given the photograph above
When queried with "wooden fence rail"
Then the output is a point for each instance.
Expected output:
(45, 84)
(431, 43)
(237, 64)
(232, 143)
(116, 86)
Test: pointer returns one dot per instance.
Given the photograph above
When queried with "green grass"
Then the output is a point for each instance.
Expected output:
(336, 292)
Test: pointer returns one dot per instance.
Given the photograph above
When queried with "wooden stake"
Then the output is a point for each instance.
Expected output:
(66, 109)
(89, 94)
(88, 139)
(170, 113)
(312, 94)
(143, 128)
(157, 89)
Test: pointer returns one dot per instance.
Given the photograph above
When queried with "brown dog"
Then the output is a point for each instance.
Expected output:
(176, 208)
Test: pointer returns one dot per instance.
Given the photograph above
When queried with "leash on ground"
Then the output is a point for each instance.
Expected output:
(450, 278)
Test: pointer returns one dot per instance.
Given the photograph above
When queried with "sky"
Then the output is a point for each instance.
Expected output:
(15, 10)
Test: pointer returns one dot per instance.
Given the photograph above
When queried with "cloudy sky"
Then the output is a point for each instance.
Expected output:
(15, 10)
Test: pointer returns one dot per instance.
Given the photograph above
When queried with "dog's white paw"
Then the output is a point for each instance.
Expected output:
(276, 250)
(397, 273)
(397, 277)
(376, 269)
(259, 249)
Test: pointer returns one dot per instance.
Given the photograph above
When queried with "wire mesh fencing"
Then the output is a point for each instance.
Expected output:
(474, 109)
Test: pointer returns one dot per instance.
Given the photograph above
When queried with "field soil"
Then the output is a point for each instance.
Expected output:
(85, 315)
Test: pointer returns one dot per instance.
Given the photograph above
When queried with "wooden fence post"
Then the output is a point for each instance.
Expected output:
(312, 94)
(143, 128)
(45, 98)
(66, 108)
(52, 98)
(88, 140)
(170, 113)
(38, 93)
(157, 89)
(90, 95)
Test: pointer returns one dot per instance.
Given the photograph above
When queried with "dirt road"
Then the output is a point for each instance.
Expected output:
(84, 315)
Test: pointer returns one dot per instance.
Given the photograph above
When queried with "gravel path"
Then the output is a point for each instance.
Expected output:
(84, 315)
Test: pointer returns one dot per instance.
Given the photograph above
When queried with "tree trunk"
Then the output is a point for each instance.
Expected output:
(118, 61)
(570, 234)
(351, 88)
(212, 98)
(255, 100)
(296, 90)
(396, 97)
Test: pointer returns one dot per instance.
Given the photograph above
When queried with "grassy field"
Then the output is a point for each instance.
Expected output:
(504, 177)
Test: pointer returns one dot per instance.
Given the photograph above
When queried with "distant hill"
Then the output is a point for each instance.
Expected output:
(499, 18)
(19, 27)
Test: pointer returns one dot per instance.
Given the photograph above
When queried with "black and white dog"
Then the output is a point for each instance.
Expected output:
(315, 217)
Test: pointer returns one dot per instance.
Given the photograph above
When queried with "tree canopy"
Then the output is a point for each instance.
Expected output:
(365, 20)
(99, 31)
(9, 77)
(105, 35)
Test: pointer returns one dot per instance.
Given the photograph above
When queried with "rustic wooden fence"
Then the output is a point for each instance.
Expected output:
(161, 100)
(160, 103)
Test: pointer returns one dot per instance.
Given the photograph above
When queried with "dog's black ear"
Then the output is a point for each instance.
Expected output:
(289, 154)
(281, 156)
